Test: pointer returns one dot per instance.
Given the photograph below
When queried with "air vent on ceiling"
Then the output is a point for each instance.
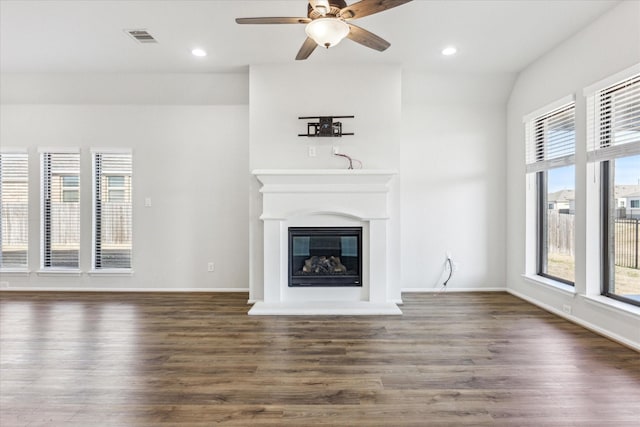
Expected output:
(141, 36)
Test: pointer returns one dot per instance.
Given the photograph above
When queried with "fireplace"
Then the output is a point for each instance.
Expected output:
(325, 213)
(325, 256)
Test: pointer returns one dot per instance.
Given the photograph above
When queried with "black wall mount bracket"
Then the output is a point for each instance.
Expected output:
(325, 126)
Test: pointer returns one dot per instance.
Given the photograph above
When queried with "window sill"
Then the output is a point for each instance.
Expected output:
(612, 304)
(550, 283)
(14, 271)
(111, 272)
(59, 272)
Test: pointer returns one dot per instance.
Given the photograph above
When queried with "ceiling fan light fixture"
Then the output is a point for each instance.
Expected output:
(327, 32)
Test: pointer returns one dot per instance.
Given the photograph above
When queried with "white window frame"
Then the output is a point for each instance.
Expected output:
(25, 269)
(532, 167)
(44, 270)
(594, 218)
(96, 270)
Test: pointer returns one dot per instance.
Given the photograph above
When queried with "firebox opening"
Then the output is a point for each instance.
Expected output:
(325, 256)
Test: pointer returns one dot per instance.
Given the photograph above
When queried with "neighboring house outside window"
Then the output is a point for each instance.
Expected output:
(70, 188)
(117, 188)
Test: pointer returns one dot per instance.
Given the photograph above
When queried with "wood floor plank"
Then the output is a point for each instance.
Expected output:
(154, 359)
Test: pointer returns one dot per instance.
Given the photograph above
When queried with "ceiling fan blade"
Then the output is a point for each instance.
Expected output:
(273, 20)
(367, 38)
(307, 48)
(368, 7)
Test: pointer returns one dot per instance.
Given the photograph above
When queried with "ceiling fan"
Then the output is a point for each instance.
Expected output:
(329, 21)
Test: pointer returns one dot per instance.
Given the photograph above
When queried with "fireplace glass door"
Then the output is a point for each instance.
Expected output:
(325, 256)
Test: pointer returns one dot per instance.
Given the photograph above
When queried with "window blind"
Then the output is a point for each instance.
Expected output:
(550, 139)
(14, 201)
(112, 210)
(60, 191)
(613, 121)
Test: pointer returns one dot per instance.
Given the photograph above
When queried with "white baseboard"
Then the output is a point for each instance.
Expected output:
(440, 289)
(587, 325)
(68, 289)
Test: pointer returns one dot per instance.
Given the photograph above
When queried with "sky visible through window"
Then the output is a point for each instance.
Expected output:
(627, 173)
(561, 179)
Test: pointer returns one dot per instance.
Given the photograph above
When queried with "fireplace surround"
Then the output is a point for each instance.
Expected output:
(325, 198)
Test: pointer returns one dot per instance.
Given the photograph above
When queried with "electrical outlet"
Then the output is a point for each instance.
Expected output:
(335, 149)
(312, 151)
(4, 284)
(448, 255)
(147, 202)
(211, 267)
(566, 308)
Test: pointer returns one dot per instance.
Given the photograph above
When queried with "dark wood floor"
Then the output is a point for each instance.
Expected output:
(129, 359)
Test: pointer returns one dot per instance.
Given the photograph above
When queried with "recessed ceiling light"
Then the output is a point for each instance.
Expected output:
(199, 52)
(449, 50)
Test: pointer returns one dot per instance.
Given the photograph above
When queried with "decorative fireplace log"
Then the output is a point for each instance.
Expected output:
(324, 265)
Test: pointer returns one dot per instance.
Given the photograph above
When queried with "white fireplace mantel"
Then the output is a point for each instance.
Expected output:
(325, 197)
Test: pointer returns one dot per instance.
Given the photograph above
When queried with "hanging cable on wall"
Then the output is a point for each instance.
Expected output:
(350, 159)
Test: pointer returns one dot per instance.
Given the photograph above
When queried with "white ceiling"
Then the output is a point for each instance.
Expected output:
(87, 35)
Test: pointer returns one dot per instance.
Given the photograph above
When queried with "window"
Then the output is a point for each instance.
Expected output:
(70, 189)
(14, 220)
(613, 135)
(550, 157)
(60, 207)
(112, 210)
(116, 191)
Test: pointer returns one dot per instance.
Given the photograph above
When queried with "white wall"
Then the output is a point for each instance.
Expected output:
(607, 46)
(444, 133)
(190, 157)
(453, 180)
(124, 89)
(408, 122)
(279, 94)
